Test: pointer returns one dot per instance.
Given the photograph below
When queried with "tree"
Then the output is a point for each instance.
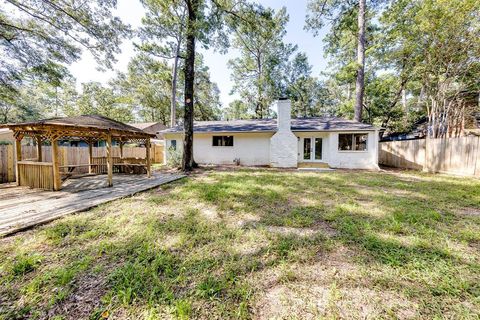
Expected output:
(342, 13)
(434, 47)
(97, 99)
(163, 35)
(206, 21)
(360, 83)
(206, 93)
(258, 72)
(146, 88)
(38, 99)
(308, 95)
(236, 110)
(40, 36)
(50, 99)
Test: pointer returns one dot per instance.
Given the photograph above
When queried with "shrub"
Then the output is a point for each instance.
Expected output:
(174, 158)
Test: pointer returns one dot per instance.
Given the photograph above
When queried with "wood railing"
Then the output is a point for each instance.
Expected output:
(119, 165)
(70, 156)
(36, 174)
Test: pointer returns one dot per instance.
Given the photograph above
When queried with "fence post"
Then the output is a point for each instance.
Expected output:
(426, 164)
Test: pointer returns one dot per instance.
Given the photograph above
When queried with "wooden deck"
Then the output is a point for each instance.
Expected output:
(22, 207)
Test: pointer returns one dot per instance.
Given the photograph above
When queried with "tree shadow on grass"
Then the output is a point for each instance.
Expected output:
(203, 275)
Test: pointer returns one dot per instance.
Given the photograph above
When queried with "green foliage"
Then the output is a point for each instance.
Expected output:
(174, 157)
(419, 60)
(25, 263)
(146, 87)
(236, 110)
(98, 99)
(183, 309)
(258, 72)
(206, 93)
(436, 59)
(41, 37)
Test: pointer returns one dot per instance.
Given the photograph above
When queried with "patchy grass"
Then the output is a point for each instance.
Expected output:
(257, 244)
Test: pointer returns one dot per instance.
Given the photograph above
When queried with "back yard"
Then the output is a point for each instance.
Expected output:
(258, 244)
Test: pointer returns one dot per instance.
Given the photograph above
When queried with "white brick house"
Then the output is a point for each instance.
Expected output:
(287, 143)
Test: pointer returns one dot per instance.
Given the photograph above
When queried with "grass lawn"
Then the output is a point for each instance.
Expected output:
(258, 244)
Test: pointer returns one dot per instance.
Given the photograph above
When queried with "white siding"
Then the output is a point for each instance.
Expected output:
(251, 148)
(354, 159)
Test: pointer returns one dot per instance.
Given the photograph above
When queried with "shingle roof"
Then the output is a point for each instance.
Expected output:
(270, 125)
(142, 125)
(84, 121)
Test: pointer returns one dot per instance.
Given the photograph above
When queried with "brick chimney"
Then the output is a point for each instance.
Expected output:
(284, 144)
(284, 110)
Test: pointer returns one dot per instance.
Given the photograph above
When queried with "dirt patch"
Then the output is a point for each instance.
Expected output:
(322, 228)
(474, 212)
(332, 287)
(83, 301)
(319, 227)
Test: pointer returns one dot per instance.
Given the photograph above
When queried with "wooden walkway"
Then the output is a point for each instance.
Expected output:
(21, 207)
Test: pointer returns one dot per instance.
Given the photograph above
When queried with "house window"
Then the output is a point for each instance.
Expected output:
(222, 141)
(173, 144)
(352, 141)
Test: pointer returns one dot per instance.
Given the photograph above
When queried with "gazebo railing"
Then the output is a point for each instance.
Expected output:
(36, 174)
(100, 164)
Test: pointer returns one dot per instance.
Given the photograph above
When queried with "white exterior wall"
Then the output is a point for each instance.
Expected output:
(251, 148)
(254, 149)
(354, 159)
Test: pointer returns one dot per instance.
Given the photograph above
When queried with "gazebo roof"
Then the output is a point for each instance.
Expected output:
(79, 126)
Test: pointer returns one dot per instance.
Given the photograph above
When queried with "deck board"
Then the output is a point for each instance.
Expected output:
(21, 207)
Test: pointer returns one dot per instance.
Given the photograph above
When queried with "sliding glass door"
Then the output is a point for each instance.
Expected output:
(312, 149)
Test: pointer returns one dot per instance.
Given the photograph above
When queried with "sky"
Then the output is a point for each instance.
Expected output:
(131, 12)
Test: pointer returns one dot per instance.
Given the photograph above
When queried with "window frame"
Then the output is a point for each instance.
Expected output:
(353, 145)
(224, 139)
(173, 144)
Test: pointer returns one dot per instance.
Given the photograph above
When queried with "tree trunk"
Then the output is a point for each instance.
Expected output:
(187, 160)
(173, 104)
(259, 106)
(360, 85)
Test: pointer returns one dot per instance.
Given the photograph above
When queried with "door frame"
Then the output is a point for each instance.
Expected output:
(312, 149)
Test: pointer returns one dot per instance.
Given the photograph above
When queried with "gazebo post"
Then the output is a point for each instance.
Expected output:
(18, 153)
(57, 181)
(109, 159)
(90, 156)
(149, 159)
(121, 149)
(39, 140)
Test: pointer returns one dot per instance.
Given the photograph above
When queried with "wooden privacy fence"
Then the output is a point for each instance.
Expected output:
(450, 155)
(68, 156)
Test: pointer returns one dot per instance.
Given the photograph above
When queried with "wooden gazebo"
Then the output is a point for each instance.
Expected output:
(90, 128)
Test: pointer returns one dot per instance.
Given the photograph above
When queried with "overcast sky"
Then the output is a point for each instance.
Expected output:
(131, 12)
